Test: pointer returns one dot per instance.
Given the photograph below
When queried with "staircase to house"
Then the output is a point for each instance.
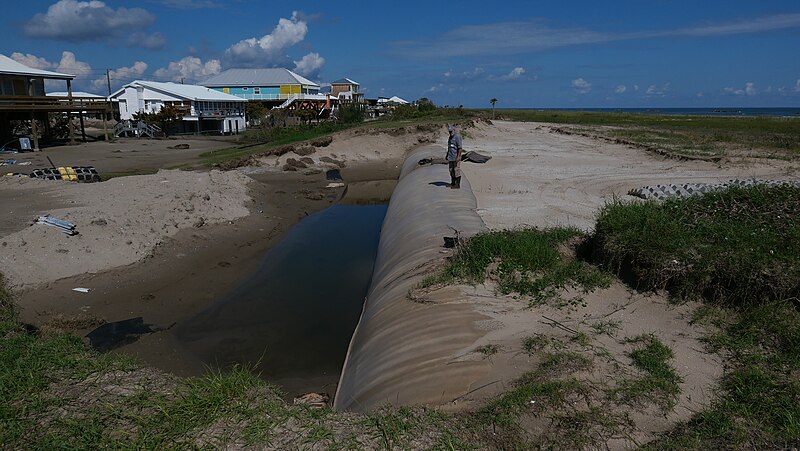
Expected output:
(137, 129)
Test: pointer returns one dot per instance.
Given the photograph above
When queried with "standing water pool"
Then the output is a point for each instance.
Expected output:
(292, 320)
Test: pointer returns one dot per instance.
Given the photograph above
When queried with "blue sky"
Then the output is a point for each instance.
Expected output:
(656, 53)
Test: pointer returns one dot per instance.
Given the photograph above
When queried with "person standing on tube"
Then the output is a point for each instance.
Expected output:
(454, 149)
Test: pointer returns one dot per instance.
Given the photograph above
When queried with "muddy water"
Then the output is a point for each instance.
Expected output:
(293, 318)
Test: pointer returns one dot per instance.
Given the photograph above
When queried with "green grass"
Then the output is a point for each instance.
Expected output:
(759, 407)
(488, 350)
(738, 250)
(660, 383)
(606, 327)
(525, 261)
(738, 246)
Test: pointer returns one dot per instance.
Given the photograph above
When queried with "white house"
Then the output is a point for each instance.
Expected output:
(205, 110)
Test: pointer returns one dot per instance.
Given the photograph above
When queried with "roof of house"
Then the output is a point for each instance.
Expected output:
(75, 94)
(394, 99)
(188, 92)
(257, 78)
(345, 81)
(11, 67)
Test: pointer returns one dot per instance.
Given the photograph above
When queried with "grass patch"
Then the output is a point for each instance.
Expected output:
(739, 250)
(488, 350)
(739, 246)
(606, 327)
(660, 382)
(760, 403)
(535, 343)
(525, 261)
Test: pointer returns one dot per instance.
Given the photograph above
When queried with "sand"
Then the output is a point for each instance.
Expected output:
(541, 178)
(119, 222)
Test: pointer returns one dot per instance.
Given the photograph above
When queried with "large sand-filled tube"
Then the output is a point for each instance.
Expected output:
(404, 352)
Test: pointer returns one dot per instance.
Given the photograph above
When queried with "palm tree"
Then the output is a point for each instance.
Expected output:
(492, 101)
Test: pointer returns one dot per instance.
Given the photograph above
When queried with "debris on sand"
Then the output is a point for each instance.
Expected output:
(313, 400)
(65, 226)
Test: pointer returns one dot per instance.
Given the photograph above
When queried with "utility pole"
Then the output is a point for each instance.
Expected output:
(108, 78)
(182, 78)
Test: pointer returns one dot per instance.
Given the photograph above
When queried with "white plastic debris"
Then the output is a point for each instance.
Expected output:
(82, 290)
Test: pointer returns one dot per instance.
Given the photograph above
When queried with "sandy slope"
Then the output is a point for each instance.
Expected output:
(540, 178)
(119, 222)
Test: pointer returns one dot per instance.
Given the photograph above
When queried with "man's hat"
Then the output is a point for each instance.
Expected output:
(450, 128)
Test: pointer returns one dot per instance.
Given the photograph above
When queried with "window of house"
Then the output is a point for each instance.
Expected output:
(245, 88)
(256, 90)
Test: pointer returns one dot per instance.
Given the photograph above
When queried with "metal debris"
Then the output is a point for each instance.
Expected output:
(65, 226)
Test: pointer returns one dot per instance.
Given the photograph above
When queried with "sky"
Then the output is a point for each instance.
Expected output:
(526, 54)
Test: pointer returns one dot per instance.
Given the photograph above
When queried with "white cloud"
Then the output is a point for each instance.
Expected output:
(581, 86)
(636, 88)
(620, 89)
(657, 91)
(515, 74)
(269, 49)
(74, 20)
(120, 76)
(32, 61)
(700, 95)
(190, 68)
(309, 65)
(465, 76)
(68, 64)
(749, 90)
(797, 86)
(155, 41)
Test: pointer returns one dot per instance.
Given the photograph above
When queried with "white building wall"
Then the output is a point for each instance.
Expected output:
(141, 99)
(133, 100)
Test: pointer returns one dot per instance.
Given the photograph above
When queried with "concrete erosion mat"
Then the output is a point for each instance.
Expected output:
(402, 352)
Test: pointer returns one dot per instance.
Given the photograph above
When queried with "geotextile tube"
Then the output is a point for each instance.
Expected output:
(405, 352)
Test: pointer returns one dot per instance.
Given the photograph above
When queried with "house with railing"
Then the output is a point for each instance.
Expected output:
(273, 85)
(347, 90)
(203, 110)
(24, 103)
